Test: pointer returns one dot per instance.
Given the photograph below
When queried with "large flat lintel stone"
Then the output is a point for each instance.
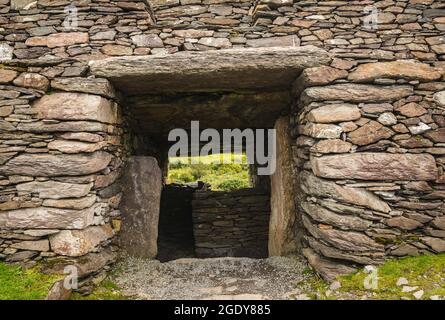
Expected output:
(249, 68)
(376, 166)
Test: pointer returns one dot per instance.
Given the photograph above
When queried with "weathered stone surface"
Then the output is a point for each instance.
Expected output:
(56, 165)
(356, 93)
(215, 42)
(39, 245)
(439, 222)
(140, 206)
(369, 133)
(285, 41)
(21, 256)
(319, 76)
(32, 80)
(282, 202)
(46, 218)
(403, 223)
(325, 216)
(192, 33)
(59, 39)
(376, 166)
(147, 40)
(436, 244)
(327, 189)
(76, 106)
(331, 146)
(74, 243)
(215, 69)
(331, 252)
(321, 131)
(409, 70)
(65, 126)
(82, 136)
(328, 269)
(85, 85)
(80, 203)
(334, 113)
(67, 146)
(7, 76)
(437, 135)
(55, 189)
(343, 240)
(387, 119)
(58, 292)
(412, 110)
(439, 98)
(21, 4)
(86, 265)
(116, 50)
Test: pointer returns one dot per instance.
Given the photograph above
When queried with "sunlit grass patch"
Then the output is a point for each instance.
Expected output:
(17, 283)
(425, 272)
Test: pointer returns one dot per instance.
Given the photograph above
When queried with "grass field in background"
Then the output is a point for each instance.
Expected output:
(211, 169)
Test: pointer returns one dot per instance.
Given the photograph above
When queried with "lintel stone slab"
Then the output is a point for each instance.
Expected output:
(231, 69)
(376, 166)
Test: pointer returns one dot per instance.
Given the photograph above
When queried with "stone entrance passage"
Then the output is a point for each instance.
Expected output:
(175, 232)
(229, 89)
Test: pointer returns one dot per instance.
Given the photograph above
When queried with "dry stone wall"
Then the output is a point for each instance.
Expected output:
(368, 129)
(232, 223)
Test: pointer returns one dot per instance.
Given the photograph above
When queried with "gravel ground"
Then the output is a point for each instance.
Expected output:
(215, 278)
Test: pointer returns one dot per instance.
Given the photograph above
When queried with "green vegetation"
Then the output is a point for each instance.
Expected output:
(212, 170)
(106, 290)
(424, 272)
(17, 283)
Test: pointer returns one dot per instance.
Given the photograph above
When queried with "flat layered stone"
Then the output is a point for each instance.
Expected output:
(32, 80)
(321, 131)
(341, 221)
(436, 244)
(334, 113)
(65, 126)
(327, 189)
(371, 132)
(331, 146)
(356, 93)
(376, 166)
(402, 69)
(186, 71)
(46, 218)
(343, 240)
(75, 243)
(59, 39)
(84, 85)
(76, 106)
(319, 76)
(80, 203)
(328, 269)
(403, 223)
(54, 189)
(39, 245)
(70, 146)
(439, 222)
(7, 76)
(48, 165)
(284, 41)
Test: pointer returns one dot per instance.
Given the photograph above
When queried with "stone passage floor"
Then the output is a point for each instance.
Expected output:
(213, 278)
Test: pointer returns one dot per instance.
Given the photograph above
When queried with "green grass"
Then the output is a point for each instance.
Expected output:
(17, 283)
(426, 272)
(212, 170)
(106, 290)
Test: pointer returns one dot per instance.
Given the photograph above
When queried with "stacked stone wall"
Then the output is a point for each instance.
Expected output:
(368, 128)
(231, 224)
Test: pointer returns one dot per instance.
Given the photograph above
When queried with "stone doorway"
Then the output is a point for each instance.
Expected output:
(252, 88)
